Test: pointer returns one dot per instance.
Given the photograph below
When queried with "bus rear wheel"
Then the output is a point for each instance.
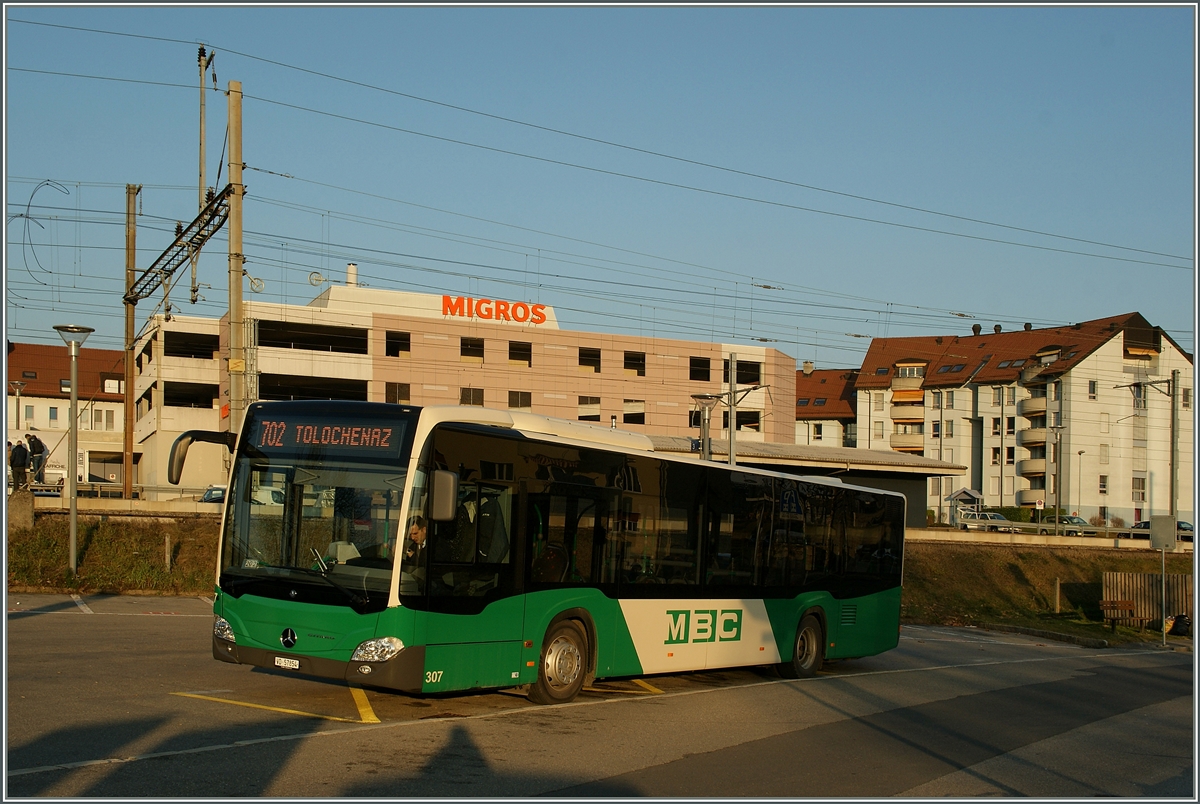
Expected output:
(807, 653)
(563, 665)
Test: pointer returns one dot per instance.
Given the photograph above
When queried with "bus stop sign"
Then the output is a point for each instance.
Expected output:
(1162, 532)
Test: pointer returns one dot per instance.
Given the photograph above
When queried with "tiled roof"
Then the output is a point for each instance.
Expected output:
(997, 357)
(834, 386)
(51, 364)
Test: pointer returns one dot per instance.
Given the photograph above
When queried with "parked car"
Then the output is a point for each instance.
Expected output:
(213, 494)
(986, 520)
(1067, 526)
(1183, 530)
(266, 495)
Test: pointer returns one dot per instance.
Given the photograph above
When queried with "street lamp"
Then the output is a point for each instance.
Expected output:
(707, 402)
(73, 335)
(17, 385)
(1080, 508)
(1057, 428)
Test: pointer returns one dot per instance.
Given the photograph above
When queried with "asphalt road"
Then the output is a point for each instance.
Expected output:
(119, 697)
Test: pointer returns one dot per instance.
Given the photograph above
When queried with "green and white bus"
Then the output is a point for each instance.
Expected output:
(454, 548)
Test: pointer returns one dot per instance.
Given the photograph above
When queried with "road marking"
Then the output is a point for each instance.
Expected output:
(653, 689)
(79, 602)
(207, 600)
(393, 724)
(268, 708)
(614, 691)
(365, 713)
(113, 613)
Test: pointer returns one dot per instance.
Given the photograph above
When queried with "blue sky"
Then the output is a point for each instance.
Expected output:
(820, 133)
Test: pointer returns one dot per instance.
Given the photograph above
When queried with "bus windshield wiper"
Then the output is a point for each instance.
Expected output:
(353, 596)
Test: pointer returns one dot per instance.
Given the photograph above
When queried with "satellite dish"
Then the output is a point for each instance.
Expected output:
(315, 278)
(257, 284)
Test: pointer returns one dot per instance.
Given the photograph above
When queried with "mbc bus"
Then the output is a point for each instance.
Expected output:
(455, 548)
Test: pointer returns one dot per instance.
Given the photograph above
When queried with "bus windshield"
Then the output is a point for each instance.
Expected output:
(316, 503)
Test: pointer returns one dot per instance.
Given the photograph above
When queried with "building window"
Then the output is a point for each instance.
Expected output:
(1139, 489)
(589, 359)
(113, 385)
(949, 400)
(520, 352)
(1104, 484)
(746, 419)
(949, 428)
(695, 418)
(937, 400)
(936, 430)
(397, 343)
(634, 411)
(878, 401)
(1187, 398)
(908, 428)
(64, 386)
(817, 432)
(995, 456)
(1009, 483)
(1054, 451)
(994, 485)
(910, 371)
(396, 393)
(1139, 397)
(471, 396)
(819, 402)
(948, 455)
(29, 415)
(589, 408)
(997, 396)
(1010, 455)
(109, 420)
(1012, 395)
(472, 348)
(995, 425)
(1010, 425)
(1104, 514)
(29, 375)
(1056, 391)
(1056, 419)
(97, 419)
(877, 431)
(520, 400)
(802, 402)
(881, 370)
(1092, 388)
(635, 363)
(1104, 422)
(700, 369)
(935, 487)
(748, 372)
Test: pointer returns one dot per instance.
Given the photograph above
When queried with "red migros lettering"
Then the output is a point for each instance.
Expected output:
(493, 309)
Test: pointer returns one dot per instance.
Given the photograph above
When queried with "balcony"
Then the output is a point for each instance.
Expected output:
(1032, 466)
(908, 413)
(907, 383)
(1033, 406)
(907, 441)
(1031, 435)
(1031, 496)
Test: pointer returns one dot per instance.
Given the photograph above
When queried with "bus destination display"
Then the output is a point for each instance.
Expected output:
(358, 436)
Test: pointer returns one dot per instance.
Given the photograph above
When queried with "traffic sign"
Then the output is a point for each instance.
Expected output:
(1041, 504)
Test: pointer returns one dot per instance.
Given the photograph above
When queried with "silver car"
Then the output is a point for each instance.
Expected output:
(986, 520)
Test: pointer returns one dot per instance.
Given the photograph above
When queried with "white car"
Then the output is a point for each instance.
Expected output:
(985, 520)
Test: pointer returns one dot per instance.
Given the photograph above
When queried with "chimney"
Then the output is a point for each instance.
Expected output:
(976, 329)
(996, 329)
(807, 367)
(351, 275)
(1028, 326)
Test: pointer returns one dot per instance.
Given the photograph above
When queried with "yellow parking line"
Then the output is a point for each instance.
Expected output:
(269, 708)
(653, 689)
(610, 689)
(365, 713)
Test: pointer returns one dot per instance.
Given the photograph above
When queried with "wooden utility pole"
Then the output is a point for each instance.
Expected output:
(237, 350)
(131, 192)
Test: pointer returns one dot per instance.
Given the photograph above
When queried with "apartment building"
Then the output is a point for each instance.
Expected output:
(1076, 417)
(826, 407)
(39, 401)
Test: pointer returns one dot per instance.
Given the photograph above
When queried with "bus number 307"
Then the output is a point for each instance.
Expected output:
(433, 676)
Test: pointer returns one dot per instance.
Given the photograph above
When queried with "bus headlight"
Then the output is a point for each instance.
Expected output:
(222, 630)
(377, 650)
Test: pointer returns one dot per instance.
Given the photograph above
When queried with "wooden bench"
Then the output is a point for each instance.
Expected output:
(1114, 610)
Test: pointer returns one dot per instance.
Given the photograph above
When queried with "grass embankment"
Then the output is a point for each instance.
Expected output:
(945, 584)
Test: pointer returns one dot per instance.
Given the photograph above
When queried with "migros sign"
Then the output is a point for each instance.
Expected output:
(493, 310)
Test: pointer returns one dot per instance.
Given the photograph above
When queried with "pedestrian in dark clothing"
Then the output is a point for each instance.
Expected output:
(18, 461)
(37, 458)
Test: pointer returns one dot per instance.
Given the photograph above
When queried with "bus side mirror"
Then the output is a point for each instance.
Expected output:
(179, 449)
(444, 505)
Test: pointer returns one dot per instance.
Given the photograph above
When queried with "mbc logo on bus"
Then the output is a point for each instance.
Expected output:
(704, 625)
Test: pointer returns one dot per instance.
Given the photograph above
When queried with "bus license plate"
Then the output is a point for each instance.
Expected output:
(287, 664)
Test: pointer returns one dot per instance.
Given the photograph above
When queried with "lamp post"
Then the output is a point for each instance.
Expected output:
(17, 385)
(73, 335)
(707, 403)
(1080, 508)
(1057, 428)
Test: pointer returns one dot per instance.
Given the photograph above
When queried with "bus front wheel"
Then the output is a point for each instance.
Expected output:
(563, 664)
(807, 653)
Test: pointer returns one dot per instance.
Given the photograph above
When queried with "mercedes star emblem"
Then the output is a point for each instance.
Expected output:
(288, 638)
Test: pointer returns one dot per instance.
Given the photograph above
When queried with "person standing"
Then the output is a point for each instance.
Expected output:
(18, 461)
(37, 458)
